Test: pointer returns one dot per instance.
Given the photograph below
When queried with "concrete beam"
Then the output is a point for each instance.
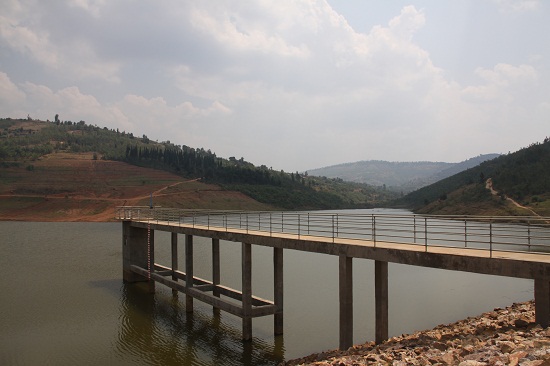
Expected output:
(346, 301)
(381, 300)
(471, 260)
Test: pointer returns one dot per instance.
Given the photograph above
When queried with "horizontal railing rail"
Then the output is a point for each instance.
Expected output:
(502, 233)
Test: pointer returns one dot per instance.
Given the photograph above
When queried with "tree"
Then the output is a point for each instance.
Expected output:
(57, 118)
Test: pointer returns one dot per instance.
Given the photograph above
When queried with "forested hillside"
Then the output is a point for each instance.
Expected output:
(23, 141)
(523, 176)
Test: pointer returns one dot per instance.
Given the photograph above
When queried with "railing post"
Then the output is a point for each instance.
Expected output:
(374, 229)
(529, 235)
(426, 233)
(414, 228)
(491, 239)
(308, 223)
(332, 228)
(270, 224)
(337, 226)
(465, 234)
(298, 226)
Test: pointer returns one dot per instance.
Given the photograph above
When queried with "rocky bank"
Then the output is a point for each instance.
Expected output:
(501, 337)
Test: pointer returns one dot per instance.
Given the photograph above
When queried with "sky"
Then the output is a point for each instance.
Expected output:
(290, 84)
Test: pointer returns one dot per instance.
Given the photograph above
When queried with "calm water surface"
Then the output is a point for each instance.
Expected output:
(63, 302)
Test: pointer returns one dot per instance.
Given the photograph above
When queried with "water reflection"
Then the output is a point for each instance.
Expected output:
(155, 329)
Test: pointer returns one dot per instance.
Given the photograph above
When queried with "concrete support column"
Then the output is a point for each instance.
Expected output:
(346, 301)
(216, 275)
(151, 257)
(247, 290)
(174, 259)
(278, 289)
(381, 300)
(542, 302)
(188, 271)
(134, 252)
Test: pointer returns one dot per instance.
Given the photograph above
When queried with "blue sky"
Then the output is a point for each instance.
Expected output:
(291, 84)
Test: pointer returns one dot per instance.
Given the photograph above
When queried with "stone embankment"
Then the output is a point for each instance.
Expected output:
(501, 337)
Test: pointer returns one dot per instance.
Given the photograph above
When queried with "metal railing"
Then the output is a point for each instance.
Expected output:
(502, 233)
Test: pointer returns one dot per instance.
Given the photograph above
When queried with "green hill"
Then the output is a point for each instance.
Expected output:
(25, 141)
(522, 177)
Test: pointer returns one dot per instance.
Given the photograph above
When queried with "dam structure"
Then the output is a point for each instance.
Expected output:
(504, 246)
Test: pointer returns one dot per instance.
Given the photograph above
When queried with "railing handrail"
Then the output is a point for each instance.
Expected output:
(503, 233)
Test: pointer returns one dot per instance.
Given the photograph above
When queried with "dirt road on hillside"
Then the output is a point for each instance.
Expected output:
(489, 186)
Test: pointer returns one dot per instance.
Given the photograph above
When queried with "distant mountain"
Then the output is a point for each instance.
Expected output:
(398, 176)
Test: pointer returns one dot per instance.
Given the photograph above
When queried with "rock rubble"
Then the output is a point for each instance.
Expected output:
(501, 337)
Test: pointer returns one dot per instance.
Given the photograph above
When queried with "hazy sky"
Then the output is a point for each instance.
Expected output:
(292, 84)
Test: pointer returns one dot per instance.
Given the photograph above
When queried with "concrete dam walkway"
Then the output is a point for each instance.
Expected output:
(504, 246)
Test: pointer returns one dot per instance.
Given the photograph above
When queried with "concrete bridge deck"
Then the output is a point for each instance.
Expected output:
(493, 260)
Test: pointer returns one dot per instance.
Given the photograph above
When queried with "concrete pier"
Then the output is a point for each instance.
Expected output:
(138, 265)
(174, 254)
(381, 300)
(278, 288)
(542, 302)
(346, 301)
(247, 290)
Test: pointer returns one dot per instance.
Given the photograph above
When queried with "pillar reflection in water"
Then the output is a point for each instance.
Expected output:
(156, 329)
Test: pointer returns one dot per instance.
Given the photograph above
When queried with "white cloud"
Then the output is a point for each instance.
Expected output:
(22, 31)
(502, 83)
(407, 23)
(512, 6)
(91, 6)
(289, 83)
(9, 92)
(235, 32)
(27, 41)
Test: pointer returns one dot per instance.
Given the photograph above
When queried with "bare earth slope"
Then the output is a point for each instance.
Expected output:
(75, 187)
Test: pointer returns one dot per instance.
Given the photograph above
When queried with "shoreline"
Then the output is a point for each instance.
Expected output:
(506, 336)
